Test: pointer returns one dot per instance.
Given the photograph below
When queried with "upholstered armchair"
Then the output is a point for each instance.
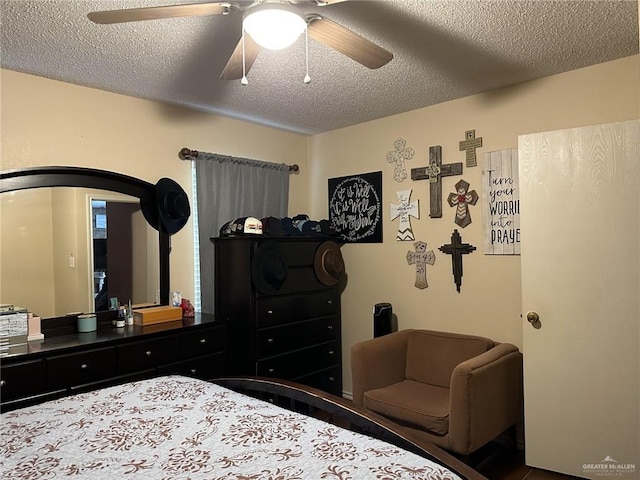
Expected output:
(456, 391)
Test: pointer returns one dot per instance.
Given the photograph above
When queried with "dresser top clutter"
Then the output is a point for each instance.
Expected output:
(65, 338)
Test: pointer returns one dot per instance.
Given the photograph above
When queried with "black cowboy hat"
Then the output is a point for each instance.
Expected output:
(169, 209)
(268, 268)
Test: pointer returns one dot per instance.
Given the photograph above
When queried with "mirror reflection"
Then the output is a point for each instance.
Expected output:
(67, 249)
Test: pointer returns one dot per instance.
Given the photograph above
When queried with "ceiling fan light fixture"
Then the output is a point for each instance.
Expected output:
(274, 25)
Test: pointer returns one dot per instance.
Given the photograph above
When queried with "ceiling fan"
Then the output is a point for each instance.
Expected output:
(261, 22)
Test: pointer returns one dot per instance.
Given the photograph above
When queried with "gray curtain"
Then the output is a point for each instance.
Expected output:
(228, 188)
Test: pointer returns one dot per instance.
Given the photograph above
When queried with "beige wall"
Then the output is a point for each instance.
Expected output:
(70, 232)
(490, 298)
(51, 123)
(45, 122)
(19, 277)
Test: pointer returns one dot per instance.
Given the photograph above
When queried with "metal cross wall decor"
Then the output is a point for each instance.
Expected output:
(434, 172)
(461, 200)
(456, 249)
(469, 145)
(405, 210)
(421, 258)
(398, 156)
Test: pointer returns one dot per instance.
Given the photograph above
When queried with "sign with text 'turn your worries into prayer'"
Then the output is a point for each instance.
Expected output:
(501, 202)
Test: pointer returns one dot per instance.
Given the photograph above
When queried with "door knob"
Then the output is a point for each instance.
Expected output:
(534, 319)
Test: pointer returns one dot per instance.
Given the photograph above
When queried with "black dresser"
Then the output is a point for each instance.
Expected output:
(77, 362)
(291, 333)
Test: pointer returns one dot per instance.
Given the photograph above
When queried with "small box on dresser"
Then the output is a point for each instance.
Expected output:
(156, 314)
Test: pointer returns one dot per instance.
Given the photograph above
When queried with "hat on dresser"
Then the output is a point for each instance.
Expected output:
(169, 208)
(328, 263)
(241, 226)
(310, 227)
(268, 268)
(225, 230)
(272, 226)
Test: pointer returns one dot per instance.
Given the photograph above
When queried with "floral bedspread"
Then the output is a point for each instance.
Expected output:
(178, 428)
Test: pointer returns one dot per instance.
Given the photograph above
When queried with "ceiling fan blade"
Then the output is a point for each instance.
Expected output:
(347, 42)
(156, 13)
(233, 69)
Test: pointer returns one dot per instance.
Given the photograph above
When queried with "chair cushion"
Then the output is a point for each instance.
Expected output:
(432, 356)
(413, 403)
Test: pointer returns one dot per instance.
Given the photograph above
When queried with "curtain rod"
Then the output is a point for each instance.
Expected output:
(188, 154)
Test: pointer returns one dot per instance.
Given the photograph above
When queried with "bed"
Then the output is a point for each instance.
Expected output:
(180, 428)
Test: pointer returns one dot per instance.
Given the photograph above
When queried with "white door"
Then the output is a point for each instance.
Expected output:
(580, 221)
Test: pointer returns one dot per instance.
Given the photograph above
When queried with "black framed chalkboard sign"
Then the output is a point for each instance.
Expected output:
(355, 207)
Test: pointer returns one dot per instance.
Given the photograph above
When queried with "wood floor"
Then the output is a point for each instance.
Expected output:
(510, 466)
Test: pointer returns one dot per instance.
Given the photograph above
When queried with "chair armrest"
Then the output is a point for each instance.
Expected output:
(378, 363)
(485, 397)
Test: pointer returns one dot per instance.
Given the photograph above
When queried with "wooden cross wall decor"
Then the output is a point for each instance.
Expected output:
(398, 156)
(434, 172)
(405, 210)
(469, 145)
(456, 249)
(461, 200)
(421, 257)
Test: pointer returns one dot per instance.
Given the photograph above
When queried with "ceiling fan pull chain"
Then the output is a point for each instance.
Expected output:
(307, 78)
(244, 80)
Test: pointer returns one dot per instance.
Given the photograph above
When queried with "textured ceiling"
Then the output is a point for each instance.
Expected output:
(443, 50)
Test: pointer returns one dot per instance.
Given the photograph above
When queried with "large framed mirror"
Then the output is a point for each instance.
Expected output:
(72, 238)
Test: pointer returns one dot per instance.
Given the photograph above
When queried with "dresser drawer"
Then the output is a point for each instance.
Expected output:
(329, 380)
(299, 254)
(300, 279)
(205, 367)
(21, 380)
(80, 368)
(294, 308)
(199, 342)
(277, 340)
(301, 362)
(143, 355)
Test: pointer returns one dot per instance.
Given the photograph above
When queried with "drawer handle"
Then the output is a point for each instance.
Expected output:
(270, 340)
(331, 352)
(271, 370)
(332, 379)
(330, 302)
(269, 312)
(330, 327)
(148, 353)
(203, 340)
(193, 371)
(2, 383)
(84, 366)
